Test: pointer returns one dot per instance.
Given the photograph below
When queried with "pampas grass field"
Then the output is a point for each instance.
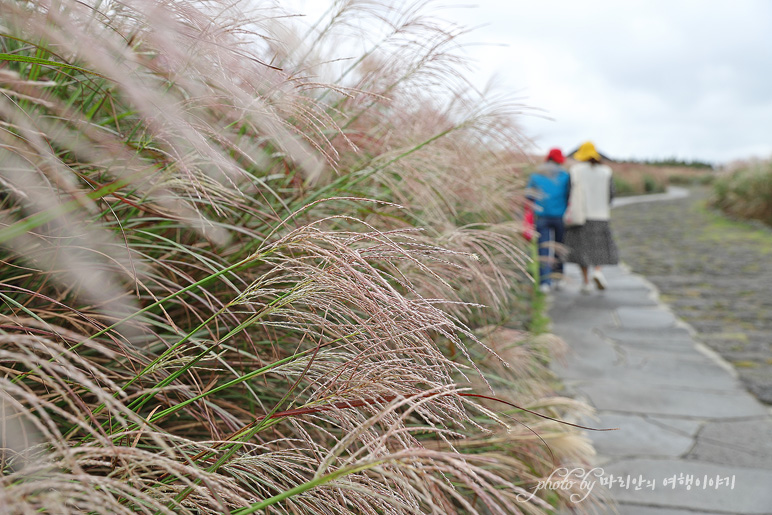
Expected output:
(744, 190)
(253, 263)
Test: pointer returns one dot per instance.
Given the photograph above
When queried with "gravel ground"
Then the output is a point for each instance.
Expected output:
(716, 274)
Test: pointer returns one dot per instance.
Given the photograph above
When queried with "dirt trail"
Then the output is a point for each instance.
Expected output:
(716, 274)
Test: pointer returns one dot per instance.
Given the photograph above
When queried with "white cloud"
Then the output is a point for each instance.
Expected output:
(642, 78)
(648, 78)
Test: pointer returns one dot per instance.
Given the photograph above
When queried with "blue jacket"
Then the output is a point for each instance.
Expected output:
(550, 186)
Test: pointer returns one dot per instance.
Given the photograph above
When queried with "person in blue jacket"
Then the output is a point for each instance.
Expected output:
(548, 190)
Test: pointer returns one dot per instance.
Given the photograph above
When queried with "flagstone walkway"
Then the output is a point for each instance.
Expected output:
(691, 438)
(714, 274)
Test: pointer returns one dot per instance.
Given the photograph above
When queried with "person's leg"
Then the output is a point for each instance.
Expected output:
(545, 270)
(559, 229)
(586, 288)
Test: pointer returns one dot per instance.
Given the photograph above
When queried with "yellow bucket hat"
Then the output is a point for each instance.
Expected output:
(586, 152)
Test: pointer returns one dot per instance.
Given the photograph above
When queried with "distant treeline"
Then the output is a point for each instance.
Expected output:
(673, 161)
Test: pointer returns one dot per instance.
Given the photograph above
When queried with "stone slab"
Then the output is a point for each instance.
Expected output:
(593, 358)
(655, 367)
(674, 345)
(645, 318)
(626, 282)
(666, 376)
(637, 436)
(585, 361)
(612, 299)
(745, 443)
(609, 395)
(575, 317)
(624, 297)
(650, 334)
(671, 340)
(684, 426)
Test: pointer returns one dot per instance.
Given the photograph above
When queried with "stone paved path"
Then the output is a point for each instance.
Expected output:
(715, 275)
(682, 412)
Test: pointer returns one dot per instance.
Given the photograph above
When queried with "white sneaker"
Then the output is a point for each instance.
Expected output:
(544, 288)
(586, 288)
(600, 281)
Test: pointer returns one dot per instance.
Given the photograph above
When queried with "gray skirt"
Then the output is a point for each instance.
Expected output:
(591, 244)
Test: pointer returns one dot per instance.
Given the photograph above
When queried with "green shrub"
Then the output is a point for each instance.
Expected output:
(622, 187)
(746, 191)
(651, 185)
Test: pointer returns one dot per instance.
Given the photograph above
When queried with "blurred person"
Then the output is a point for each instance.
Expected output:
(549, 187)
(592, 244)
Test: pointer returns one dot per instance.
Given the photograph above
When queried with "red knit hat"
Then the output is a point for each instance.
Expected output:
(556, 155)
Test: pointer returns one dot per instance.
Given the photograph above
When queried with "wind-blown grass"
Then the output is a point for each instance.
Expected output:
(231, 284)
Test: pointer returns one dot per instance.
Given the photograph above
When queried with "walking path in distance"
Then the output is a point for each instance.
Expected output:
(691, 438)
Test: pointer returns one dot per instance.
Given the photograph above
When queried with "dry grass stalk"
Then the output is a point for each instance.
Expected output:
(205, 314)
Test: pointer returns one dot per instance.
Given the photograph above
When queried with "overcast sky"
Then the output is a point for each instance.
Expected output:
(641, 78)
